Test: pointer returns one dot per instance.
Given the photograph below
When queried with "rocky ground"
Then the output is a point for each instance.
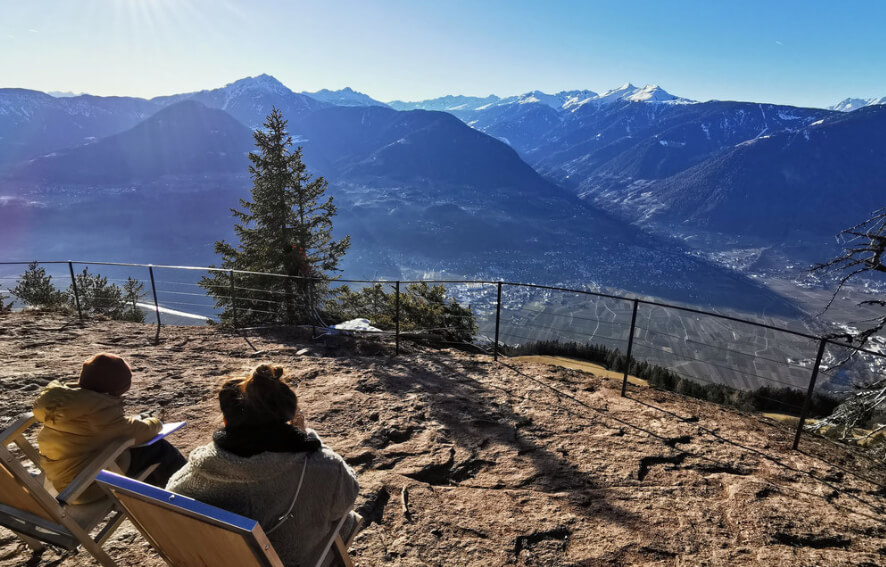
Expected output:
(465, 461)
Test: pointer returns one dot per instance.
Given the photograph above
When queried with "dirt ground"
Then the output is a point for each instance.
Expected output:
(465, 461)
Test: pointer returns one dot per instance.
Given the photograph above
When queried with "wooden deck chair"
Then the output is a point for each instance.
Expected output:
(30, 507)
(190, 533)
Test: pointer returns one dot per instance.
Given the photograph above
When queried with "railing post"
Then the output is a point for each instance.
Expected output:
(397, 319)
(624, 382)
(808, 401)
(156, 303)
(234, 300)
(74, 286)
(497, 321)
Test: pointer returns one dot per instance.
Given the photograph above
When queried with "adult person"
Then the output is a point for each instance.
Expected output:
(264, 464)
(79, 420)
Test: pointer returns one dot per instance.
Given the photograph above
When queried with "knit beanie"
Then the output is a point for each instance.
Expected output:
(107, 374)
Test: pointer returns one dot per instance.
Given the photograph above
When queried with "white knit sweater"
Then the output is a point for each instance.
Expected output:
(262, 487)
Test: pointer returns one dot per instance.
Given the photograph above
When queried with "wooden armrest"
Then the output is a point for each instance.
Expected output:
(17, 428)
(29, 451)
(358, 525)
(335, 540)
(82, 481)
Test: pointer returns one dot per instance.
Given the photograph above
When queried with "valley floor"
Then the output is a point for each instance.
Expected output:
(464, 461)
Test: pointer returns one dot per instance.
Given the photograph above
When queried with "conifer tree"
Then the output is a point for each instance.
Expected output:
(132, 293)
(36, 289)
(285, 229)
(97, 295)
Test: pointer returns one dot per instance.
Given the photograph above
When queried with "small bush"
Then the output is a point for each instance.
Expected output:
(133, 290)
(424, 309)
(97, 296)
(35, 289)
(4, 306)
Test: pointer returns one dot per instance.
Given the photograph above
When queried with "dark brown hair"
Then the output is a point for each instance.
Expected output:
(257, 400)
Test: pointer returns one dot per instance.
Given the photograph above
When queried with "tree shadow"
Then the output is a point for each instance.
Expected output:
(779, 462)
(822, 448)
(473, 417)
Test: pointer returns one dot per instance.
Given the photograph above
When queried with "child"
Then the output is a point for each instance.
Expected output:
(80, 419)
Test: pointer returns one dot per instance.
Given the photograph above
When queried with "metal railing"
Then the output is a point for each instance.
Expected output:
(666, 349)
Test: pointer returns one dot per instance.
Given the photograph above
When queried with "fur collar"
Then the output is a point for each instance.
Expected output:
(278, 438)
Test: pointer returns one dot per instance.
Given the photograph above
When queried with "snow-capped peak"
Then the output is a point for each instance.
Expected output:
(630, 93)
(575, 98)
(63, 94)
(344, 97)
(561, 100)
(537, 96)
(613, 95)
(650, 93)
(850, 104)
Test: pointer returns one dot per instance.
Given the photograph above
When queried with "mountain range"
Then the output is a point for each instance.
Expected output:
(575, 187)
(794, 184)
(463, 106)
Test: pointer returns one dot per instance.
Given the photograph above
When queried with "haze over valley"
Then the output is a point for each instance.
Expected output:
(634, 189)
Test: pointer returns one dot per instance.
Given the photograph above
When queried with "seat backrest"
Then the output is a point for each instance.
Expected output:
(189, 533)
(18, 490)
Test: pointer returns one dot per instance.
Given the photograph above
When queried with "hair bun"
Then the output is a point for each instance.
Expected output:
(261, 399)
(267, 372)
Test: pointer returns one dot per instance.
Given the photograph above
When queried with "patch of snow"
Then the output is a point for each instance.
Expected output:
(362, 325)
(788, 116)
(150, 307)
(850, 104)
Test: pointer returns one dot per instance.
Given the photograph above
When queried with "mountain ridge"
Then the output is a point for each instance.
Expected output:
(774, 185)
(184, 138)
(344, 97)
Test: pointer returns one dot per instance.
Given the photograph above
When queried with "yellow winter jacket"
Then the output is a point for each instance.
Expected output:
(77, 424)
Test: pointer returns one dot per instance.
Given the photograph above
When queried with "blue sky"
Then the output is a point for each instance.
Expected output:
(811, 52)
